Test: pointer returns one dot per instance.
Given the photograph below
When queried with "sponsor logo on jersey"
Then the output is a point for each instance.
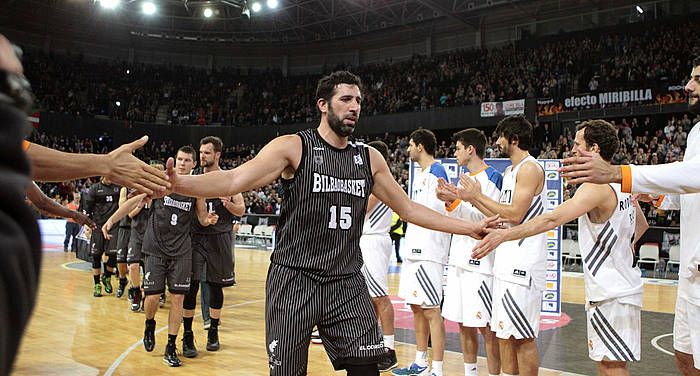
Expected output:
(325, 183)
(519, 273)
(318, 148)
(478, 315)
(372, 347)
(474, 262)
(183, 285)
(318, 159)
(416, 251)
(182, 205)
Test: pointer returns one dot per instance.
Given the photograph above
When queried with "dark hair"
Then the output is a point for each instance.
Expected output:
(326, 85)
(426, 138)
(696, 61)
(603, 134)
(215, 141)
(516, 128)
(473, 137)
(381, 148)
(187, 149)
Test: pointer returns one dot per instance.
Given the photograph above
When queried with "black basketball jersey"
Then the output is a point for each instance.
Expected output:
(169, 225)
(323, 209)
(101, 202)
(223, 225)
(139, 222)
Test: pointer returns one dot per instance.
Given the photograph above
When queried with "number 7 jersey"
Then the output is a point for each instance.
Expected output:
(323, 209)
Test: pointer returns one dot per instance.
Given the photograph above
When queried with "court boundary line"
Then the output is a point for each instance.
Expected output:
(117, 362)
(655, 344)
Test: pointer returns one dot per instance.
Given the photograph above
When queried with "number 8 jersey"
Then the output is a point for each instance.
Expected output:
(169, 225)
(323, 209)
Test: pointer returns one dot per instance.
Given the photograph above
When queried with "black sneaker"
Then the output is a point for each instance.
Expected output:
(389, 362)
(120, 291)
(213, 339)
(136, 300)
(130, 295)
(149, 338)
(188, 348)
(170, 357)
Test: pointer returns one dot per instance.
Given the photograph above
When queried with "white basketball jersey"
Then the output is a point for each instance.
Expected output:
(461, 247)
(608, 254)
(689, 272)
(378, 222)
(424, 244)
(522, 261)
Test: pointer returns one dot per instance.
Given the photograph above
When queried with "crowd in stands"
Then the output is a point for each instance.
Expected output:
(643, 55)
(648, 140)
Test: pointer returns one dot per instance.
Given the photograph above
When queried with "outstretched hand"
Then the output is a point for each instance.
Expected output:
(106, 228)
(493, 239)
(486, 225)
(589, 167)
(127, 170)
(83, 220)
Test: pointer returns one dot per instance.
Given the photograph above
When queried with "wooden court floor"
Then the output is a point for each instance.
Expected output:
(73, 333)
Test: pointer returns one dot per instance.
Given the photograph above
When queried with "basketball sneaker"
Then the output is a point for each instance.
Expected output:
(315, 337)
(389, 362)
(213, 339)
(136, 300)
(412, 370)
(98, 290)
(107, 282)
(170, 357)
(149, 338)
(130, 295)
(188, 348)
(207, 324)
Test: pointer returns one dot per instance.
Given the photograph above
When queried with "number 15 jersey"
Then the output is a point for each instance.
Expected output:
(323, 209)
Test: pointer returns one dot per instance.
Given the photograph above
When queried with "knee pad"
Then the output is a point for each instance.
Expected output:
(190, 301)
(363, 370)
(216, 297)
(96, 261)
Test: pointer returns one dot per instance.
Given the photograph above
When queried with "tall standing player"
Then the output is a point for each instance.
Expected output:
(609, 224)
(123, 245)
(519, 267)
(101, 201)
(212, 247)
(375, 244)
(424, 264)
(315, 277)
(469, 297)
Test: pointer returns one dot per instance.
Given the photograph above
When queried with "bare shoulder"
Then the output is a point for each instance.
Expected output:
(377, 160)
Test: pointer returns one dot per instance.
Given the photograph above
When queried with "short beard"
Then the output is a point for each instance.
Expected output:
(694, 108)
(337, 124)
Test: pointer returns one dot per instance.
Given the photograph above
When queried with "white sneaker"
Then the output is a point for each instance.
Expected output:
(315, 337)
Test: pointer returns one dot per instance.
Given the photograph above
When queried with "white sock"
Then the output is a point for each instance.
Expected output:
(421, 358)
(437, 368)
(389, 341)
(470, 369)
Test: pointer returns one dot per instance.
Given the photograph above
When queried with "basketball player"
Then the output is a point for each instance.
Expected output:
(19, 232)
(423, 267)
(375, 245)
(468, 300)
(212, 247)
(679, 181)
(101, 201)
(50, 207)
(519, 266)
(124, 233)
(72, 227)
(315, 277)
(609, 224)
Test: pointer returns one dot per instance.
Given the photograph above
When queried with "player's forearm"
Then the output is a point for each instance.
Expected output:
(54, 165)
(135, 211)
(236, 208)
(678, 177)
(490, 208)
(425, 217)
(126, 208)
(210, 185)
(534, 226)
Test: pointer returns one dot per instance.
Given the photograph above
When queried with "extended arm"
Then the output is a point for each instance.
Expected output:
(587, 197)
(51, 207)
(235, 205)
(123, 210)
(282, 153)
(120, 166)
(388, 191)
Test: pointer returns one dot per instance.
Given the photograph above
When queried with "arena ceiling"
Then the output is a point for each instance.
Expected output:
(292, 22)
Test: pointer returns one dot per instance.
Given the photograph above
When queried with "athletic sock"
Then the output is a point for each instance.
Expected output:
(96, 278)
(123, 282)
(470, 369)
(171, 339)
(214, 323)
(187, 322)
(421, 358)
(437, 368)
